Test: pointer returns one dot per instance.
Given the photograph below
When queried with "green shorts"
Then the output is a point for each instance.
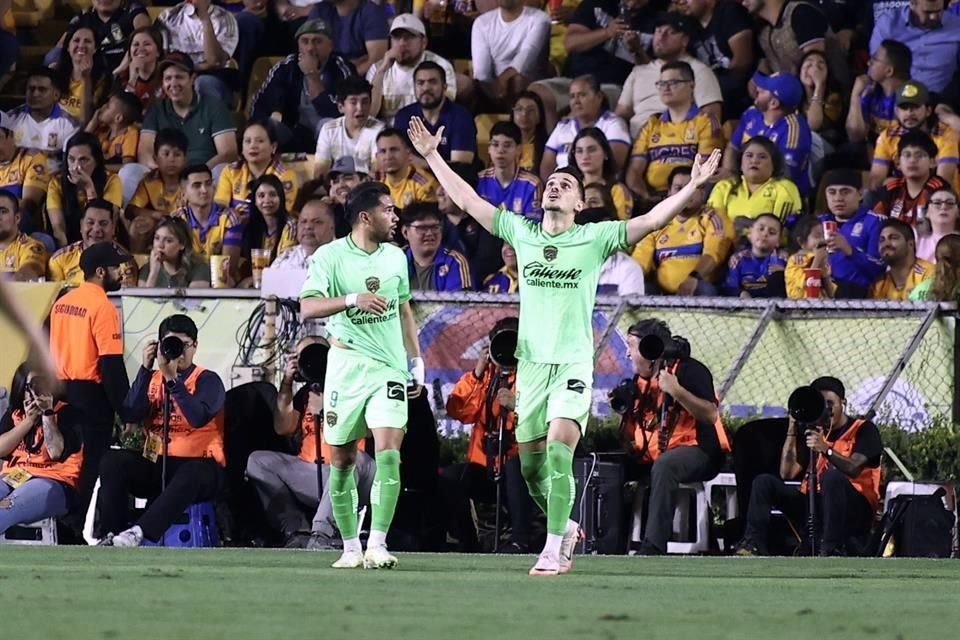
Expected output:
(361, 393)
(549, 391)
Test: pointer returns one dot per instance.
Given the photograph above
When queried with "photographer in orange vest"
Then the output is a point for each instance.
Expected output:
(483, 397)
(671, 417)
(848, 478)
(195, 444)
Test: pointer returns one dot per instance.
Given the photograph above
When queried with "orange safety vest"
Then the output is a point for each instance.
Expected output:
(867, 481)
(308, 439)
(684, 426)
(185, 441)
(468, 404)
(40, 464)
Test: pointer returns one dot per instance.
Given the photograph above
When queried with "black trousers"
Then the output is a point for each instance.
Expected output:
(464, 481)
(125, 473)
(673, 467)
(843, 512)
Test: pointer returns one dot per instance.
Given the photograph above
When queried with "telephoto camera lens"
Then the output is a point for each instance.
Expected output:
(312, 365)
(171, 347)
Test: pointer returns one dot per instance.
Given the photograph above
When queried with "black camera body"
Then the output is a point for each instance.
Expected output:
(808, 408)
(623, 396)
(653, 347)
(171, 347)
(312, 365)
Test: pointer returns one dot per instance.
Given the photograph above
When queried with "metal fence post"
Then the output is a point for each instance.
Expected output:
(747, 349)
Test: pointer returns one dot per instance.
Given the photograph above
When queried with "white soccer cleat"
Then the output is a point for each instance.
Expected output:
(547, 565)
(568, 545)
(349, 560)
(378, 558)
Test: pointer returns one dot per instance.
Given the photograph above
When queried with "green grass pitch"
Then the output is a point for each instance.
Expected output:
(78, 593)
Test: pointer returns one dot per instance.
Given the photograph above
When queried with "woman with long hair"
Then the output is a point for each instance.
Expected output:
(258, 158)
(594, 159)
(822, 100)
(172, 262)
(269, 226)
(41, 447)
(759, 188)
(943, 217)
(139, 73)
(944, 285)
(79, 73)
(529, 115)
(84, 178)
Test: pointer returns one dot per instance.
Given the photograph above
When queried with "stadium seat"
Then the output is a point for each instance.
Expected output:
(42, 532)
(681, 519)
(464, 66)
(153, 12)
(197, 527)
(258, 75)
(484, 123)
(31, 13)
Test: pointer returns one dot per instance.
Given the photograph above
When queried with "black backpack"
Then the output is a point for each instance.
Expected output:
(919, 527)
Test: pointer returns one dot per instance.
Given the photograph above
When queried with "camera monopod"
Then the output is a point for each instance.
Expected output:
(807, 407)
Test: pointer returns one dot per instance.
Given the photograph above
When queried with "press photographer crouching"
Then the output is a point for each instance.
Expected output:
(847, 470)
(288, 486)
(485, 398)
(670, 414)
(185, 469)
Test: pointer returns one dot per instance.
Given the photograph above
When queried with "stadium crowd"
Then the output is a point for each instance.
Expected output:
(207, 140)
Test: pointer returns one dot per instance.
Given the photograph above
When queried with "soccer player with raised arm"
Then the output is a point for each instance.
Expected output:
(360, 282)
(559, 265)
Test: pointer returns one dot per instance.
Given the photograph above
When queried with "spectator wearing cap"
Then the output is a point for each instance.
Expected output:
(925, 27)
(640, 98)
(914, 113)
(353, 134)
(42, 124)
(392, 77)
(407, 182)
(905, 197)
(86, 339)
(23, 172)
(341, 179)
(309, 78)
(504, 184)
(433, 267)
(510, 46)
(873, 100)
(789, 30)
(360, 28)
(459, 141)
(854, 247)
(904, 270)
(209, 35)
(316, 226)
(774, 116)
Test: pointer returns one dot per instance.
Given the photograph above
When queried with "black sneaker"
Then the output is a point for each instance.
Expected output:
(320, 542)
(514, 548)
(746, 548)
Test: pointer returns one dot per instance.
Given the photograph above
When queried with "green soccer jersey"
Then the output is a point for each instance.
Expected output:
(558, 284)
(341, 268)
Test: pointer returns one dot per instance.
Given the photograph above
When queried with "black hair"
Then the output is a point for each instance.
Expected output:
(390, 132)
(594, 85)
(255, 230)
(430, 65)
(353, 86)
(575, 173)
(130, 106)
(651, 327)
(98, 203)
(679, 65)
(18, 394)
(154, 32)
(540, 133)
(919, 139)
(508, 129)
(417, 211)
(768, 215)
(364, 197)
(803, 228)
(12, 197)
(902, 227)
(170, 138)
(899, 56)
(49, 74)
(178, 323)
(63, 68)
(607, 196)
(307, 192)
(682, 170)
(194, 168)
(776, 156)
(71, 202)
(609, 163)
(266, 124)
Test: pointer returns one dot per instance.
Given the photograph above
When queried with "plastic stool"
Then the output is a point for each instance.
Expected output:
(197, 527)
(681, 520)
(42, 532)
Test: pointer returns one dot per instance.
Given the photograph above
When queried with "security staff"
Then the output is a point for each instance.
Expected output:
(674, 422)
(848, 478)
(86, 339)
(195, 454)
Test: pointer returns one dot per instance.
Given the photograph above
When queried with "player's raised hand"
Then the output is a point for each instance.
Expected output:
(421, 139)
(372, 303)
(703, 169)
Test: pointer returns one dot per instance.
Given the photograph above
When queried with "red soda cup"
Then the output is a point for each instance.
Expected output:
(829, 229)
(812, 282)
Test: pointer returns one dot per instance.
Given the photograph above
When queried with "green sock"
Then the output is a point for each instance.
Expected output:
(536, 473)
(386, 489)
(563, 488)
(343, 499)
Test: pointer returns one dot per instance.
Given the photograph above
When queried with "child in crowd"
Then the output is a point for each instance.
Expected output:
(115, 126)
(808, 234)
(158, 194)
(757, 271)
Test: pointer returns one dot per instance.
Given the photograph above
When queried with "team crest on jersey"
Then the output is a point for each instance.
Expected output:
(655, 138)
(372, 284)
(517, 204)
(550, 253)
(11, 261)
(330, 419)
(663, 239)
(52, 141)
(443, 270)
(857, 229)
(690, 135)
(288, 185)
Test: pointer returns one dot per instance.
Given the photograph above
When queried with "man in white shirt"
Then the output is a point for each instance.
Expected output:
(510, 47)
(640, 98)
(392, 77)
(41, 124)
(209, 35)
(353, 134)
(315, 228)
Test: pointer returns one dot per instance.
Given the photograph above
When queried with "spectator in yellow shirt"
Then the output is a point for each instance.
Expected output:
(84, 178)
(269, 226)
(98, 224)
(216, 230)
(593, 157)
(258, 158)
(672, 138)
(115, 125)
(406, 182)
(685, 255)
(158, 194)
(80, 73)
(528, 114)
(808, 234)
(21, 257)
(760, 188)
(23, 173)
(904, 269)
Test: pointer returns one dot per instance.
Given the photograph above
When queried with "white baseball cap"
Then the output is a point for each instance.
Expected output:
(408, 22)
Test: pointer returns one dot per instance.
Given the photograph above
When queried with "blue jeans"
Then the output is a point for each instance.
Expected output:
(36, 499)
